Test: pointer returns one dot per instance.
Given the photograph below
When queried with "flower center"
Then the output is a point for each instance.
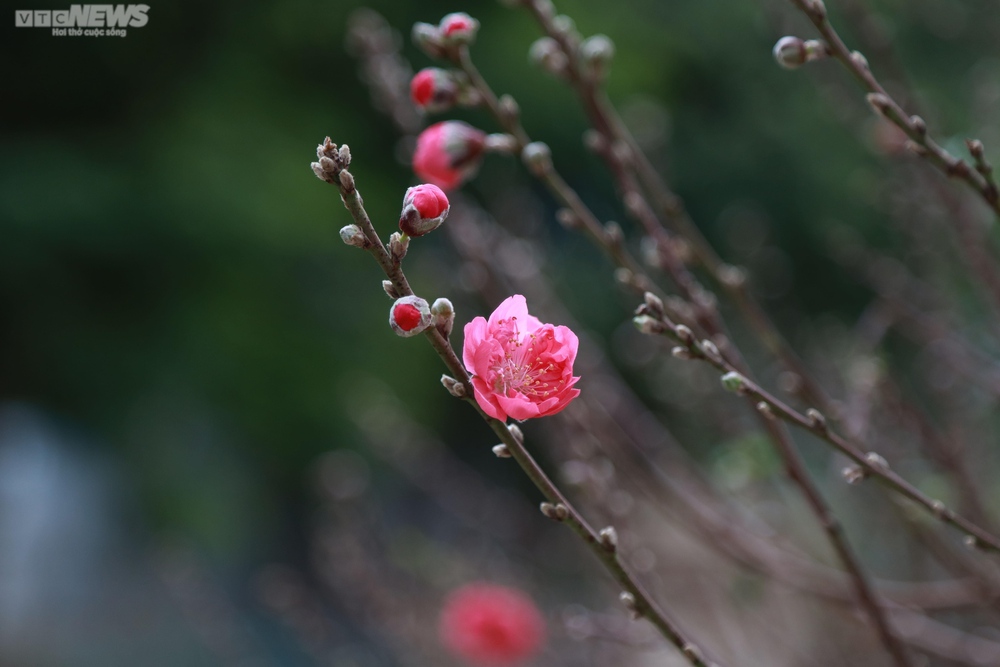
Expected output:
(520, 370)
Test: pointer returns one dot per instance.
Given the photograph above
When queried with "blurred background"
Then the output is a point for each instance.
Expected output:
(214, 451)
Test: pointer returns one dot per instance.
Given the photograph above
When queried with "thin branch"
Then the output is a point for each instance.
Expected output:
(870, 463)
(637, 598)
(913, 126)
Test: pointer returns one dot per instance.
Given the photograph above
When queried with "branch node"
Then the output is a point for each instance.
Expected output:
(609, 538)
(817, 421)
(556, 512)
(854, 474)
(454, 387)
(877, 462)
(628, 600)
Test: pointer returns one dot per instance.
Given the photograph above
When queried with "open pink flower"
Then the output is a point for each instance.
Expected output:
(488, 624)
(520, 367)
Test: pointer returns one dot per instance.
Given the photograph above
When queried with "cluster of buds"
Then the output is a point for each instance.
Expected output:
(595, 55)
(448, 153)
(792, 52)
(440, 41)
(331, 161)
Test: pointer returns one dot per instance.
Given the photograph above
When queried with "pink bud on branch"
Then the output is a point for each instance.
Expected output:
(520, 367)
(458, 28)
(434, 89)
(448, 153)
(409, 316)
(425, 207)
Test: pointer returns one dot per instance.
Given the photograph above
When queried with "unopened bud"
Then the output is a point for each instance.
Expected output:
(425, 207)
(653, 302)
(444, 316)
(732, 276)
(501, 451)
(972, 542)
(854, 475)
(409, 316)
(389, 289)
(976, 148)
(546, 53)
(556, 512)
(501, 143)
(613, 233)
(344, 154)
(353, 236)
(919, 125)
(347, 181)
(434, 89)
(624, 276)
(684, 334)
(859, 59)
(681, 353)
(938, 509)
(817, 419)
(567, 218)
(320, 172)
(710, 349)
(876, 462)
(537, 157)
(879, 103)
(764, 408)
(458, 28)
(647, 324)
(509, 108)
(734, 382)
(454, 387)
(790, 52)
(398, 243)
(628, 600)
(427, 38)
(597, 52)
(608, 538)
(516, 431)
(564, 25)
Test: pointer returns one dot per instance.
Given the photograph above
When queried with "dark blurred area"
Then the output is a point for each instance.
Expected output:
(200, 398)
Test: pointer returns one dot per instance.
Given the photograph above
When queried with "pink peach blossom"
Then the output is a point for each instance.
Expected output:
(520, 367)
(487, 624)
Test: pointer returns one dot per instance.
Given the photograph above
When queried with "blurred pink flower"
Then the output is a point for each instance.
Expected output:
(491, 625)
(520, 367)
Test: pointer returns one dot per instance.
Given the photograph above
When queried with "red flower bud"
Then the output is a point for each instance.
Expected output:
(433, 89)
(448, 153)
(488, 624)
(425, 207)
(409, 316)
(458, 28)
